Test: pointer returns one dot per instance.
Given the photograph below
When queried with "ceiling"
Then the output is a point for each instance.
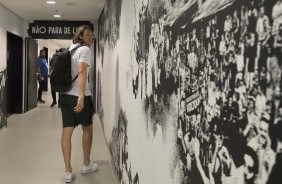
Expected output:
(76, 10)
(71, 10)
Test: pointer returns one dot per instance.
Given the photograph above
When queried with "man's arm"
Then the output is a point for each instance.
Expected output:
(39, 71)
(82, 76)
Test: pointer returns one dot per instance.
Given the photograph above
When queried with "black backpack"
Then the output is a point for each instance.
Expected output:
(60, 70)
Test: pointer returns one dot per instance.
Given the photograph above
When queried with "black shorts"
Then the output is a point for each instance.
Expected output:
(72, 119)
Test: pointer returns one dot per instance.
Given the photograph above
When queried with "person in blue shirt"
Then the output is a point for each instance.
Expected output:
(43, 74)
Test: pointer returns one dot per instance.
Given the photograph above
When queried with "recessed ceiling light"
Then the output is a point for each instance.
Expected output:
(57, 16)
(50, 2)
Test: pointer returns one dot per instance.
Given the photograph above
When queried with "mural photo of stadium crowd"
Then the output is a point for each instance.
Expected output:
(3, 109)
(206, 71)
(224, 65)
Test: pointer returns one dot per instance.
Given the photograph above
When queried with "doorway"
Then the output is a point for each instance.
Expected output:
(14, 74)
(31, 50)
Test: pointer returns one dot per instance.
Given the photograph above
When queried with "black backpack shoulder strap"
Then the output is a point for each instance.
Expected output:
(71, 52)
(74, 49)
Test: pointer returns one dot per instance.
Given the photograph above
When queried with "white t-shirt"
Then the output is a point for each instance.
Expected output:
(82, 54)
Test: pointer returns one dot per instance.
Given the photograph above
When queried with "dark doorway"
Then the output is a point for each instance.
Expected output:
(14, 74)
(31, 51)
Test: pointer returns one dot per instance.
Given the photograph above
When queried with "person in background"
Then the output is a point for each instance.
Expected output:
(76, 104)
(42, 74)
(53, 92)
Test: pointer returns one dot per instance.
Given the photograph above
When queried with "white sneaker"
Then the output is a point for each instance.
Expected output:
(92, 167)
(69, 176)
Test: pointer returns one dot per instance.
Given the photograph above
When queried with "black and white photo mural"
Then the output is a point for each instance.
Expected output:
(191, 90)
(3, 107)
(108, 34)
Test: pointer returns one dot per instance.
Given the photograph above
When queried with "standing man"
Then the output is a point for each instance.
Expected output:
(76, 104)
(52, 91)
(42, 74)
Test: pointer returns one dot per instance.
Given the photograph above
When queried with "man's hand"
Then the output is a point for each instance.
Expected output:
(40, 78)
(80, 104)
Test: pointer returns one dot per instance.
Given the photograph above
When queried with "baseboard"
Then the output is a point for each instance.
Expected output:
(3, 129)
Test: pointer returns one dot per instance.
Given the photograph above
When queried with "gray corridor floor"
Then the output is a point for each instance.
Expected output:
(30, 151)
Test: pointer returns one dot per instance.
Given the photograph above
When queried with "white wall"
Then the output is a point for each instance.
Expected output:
(8, 22)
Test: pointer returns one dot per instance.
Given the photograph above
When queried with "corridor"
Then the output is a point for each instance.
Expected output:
(31, 153)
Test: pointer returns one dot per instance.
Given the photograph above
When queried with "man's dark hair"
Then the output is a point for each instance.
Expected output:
(77, 38)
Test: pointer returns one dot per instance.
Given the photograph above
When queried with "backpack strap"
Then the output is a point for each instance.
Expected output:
(74, 49)
(74, 78)
(71, 52)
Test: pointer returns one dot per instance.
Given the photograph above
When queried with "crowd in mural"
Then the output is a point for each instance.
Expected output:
(226, 73)
(3, 119)
(120, 154)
